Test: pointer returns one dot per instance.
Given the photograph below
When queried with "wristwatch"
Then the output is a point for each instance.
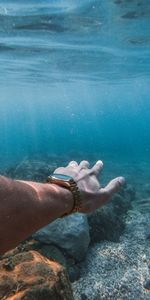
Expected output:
(69, 183)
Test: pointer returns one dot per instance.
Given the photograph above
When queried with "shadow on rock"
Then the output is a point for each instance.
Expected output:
(108, 222)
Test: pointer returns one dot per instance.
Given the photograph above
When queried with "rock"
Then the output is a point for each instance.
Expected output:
(74, 273)
(53, 253)
(147, 284)
(70, 234)
(130, 192)
(32, 170)
(28, 275)
(36, 167)
(107, 223)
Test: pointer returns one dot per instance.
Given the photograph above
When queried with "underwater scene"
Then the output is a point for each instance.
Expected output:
(75, 85)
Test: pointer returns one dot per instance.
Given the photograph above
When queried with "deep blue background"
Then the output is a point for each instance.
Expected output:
(75, 79)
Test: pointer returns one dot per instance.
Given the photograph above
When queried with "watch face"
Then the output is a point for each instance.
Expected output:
(61, 177)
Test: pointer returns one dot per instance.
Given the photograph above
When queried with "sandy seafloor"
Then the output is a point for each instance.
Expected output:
(121, 271)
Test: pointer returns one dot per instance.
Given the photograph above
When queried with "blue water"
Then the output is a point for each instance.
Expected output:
(75, 79)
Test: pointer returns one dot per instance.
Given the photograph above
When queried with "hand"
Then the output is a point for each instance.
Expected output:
(93, 195)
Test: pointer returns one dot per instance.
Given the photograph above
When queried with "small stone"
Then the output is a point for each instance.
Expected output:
(147, 284)
(84, 297)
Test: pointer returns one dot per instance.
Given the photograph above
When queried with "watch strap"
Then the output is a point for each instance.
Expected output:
(70, 185)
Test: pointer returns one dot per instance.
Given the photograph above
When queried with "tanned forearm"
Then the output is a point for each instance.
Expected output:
(27, 206)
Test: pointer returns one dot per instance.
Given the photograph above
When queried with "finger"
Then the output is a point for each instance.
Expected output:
(112, 187)
(84, 164)
(97, 168)
(73, 163)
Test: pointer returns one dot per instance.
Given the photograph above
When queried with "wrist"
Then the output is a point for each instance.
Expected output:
(70, 184)
(54, 199)
(62, 197)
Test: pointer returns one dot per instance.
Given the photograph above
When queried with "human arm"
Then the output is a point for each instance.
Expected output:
(27, 206)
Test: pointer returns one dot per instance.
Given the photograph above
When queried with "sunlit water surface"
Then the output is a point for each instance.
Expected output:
(75, 79)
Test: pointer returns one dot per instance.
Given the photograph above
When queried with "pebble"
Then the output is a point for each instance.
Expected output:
(147, 284)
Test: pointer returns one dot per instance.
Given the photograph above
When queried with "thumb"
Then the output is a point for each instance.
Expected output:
(111, 188)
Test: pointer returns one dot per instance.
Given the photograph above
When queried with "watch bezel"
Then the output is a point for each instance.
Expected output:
(61, 177)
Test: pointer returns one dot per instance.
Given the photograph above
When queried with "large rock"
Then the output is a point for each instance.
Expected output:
(32, 170)
(108, 222)
(28, 275)
(70, 234)
(36, 168)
